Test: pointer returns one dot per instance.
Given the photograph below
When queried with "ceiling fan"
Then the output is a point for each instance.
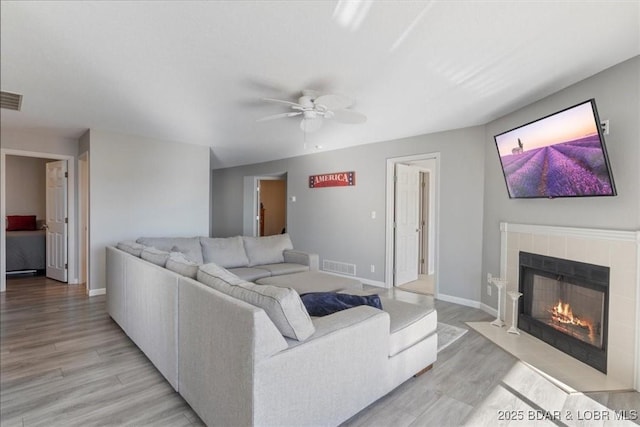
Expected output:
(314, 108)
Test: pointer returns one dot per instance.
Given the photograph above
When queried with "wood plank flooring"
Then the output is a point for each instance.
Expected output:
(65, 362)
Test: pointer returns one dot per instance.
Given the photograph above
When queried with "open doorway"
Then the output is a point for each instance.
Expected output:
(66, 258)
(272, 207)
(412, 223)
(264, 214)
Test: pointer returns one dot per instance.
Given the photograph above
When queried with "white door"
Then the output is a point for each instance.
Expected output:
(407, 224)
(57, 220)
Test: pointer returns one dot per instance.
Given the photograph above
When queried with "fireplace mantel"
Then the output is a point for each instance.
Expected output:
(616, 249)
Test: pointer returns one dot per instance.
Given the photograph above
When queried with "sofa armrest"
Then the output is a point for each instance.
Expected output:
(329, 377)
(304, 258)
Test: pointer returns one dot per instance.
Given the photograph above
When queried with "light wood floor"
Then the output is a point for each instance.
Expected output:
(65, 362)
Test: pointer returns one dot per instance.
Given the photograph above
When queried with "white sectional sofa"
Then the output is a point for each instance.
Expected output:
(237, 365)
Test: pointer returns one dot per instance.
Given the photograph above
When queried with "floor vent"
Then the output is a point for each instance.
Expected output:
(339, 267)
(10, 101)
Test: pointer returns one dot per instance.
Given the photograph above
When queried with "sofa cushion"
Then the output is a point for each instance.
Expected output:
(131, 247)
(182, 265)
(227, 252)
(410, 323)
(266, 250)
(250, 274)
(155, 256)
(312, 281)
(283, 305)
(189, 246)
(284, 268)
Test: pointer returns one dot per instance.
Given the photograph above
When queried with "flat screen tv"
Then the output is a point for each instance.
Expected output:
(560, 155)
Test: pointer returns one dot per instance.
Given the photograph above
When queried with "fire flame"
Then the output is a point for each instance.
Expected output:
(562, 313)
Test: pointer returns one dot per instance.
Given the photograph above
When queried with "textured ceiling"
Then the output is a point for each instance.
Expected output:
(195, 72)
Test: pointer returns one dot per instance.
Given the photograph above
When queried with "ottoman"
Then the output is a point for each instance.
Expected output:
(312, 281)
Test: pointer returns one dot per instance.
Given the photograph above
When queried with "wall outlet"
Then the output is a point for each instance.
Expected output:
(605, 127)
(489, 290)
(373, 268)
(489, 278)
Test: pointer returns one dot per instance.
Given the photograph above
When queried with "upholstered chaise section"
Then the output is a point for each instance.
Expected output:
(342, 368)
(142, 298)
(222, 340)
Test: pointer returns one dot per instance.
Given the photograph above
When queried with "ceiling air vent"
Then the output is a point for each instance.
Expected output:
(10, 101)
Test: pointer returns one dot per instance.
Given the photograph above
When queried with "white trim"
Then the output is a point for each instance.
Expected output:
(461, 301)
(95, 292)
(3, 226)
(71, 201)
(584, 233)
(488, 309)
(251, 201)
(637, 363)
(375, 283)
(363, 281)
(390, 190)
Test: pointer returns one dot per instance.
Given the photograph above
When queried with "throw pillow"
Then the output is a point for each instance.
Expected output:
(21, 222)
(130, 247)
(189, 246)
(180, 264)
(227, 252)
(155, 256)
(267, 250)
(282, 305)
(324, 303)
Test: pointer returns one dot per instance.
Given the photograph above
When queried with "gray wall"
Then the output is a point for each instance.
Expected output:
(143, 187)
(617, 94)
(336, 222)
(25, 187)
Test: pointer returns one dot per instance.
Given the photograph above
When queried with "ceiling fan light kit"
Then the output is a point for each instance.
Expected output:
(314, 108)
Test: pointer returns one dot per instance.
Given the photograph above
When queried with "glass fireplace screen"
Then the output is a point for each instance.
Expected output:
(572, 309)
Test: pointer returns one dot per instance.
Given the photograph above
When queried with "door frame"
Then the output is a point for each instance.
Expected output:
(390, 205)
(71, 201)
(251, 201)
(83, 220)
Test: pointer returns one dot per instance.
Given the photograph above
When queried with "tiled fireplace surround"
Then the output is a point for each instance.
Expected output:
(615, 249)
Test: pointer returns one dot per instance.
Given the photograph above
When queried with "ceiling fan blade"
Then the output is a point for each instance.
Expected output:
(334, 101)
(311, 125)
(348, 116)
(281, 101)
(279, 116)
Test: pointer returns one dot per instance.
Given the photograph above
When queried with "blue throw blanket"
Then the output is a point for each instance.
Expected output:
(324, 303)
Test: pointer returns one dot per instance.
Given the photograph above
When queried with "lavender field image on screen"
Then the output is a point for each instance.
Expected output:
(573, 168)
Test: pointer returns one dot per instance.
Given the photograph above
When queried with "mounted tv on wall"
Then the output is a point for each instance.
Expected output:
(560, 155)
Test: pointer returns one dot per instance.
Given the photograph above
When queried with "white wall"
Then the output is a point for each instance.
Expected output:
(617, 94)
(143, 187)
(25, 190)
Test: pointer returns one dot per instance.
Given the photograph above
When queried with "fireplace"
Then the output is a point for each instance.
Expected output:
(565, 303)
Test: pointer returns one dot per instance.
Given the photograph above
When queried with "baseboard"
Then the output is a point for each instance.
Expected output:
(95, 292)
(363, 281)
(374, 283)
(458, 300)
(488, 309)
